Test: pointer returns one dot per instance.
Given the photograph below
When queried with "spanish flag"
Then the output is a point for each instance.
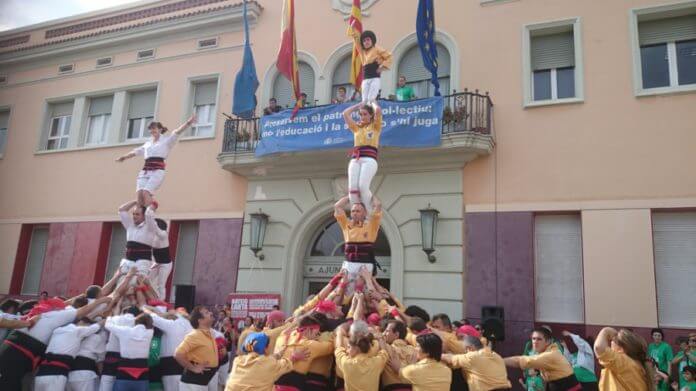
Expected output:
(287, 54)
(354, 30)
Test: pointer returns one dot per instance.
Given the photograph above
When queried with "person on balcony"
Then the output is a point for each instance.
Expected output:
(404, 93)
(374, 60)
(363, 163)
(340, 96)
(155, 151)
(272, 108)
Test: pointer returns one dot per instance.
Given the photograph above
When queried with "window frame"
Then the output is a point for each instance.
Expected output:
(674, 87)
(528, 74)
(105, 120)
(190, 106)
(62, 129)
(8, 110)
(144, 121)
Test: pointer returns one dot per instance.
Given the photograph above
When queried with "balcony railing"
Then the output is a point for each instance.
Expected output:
(463, 112)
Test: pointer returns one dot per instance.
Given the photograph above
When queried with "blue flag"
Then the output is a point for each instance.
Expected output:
(246, 82)
(425, 31)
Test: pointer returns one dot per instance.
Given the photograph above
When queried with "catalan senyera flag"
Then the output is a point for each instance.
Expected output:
(287, 54)
(355, 29)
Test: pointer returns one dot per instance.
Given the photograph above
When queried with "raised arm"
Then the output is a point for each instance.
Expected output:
(185, 125)
(347, 115)
(126, 156)
(111, 284)
(603, 340)
(339, 207)
(85, 310)
(127, 206)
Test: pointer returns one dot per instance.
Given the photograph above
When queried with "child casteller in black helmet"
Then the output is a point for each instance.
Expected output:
(374, 60)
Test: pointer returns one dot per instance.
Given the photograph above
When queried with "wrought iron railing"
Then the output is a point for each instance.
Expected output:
(463, 112)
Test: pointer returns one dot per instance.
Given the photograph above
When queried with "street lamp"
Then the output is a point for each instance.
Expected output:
(428, 220)
(259, 221)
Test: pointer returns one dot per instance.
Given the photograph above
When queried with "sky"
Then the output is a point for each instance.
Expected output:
(19, 13)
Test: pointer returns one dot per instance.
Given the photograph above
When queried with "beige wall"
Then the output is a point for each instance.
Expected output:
(619, 269)
(9, 238)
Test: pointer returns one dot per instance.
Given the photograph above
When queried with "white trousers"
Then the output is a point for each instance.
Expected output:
(369, 88)
(223, 374)
(158, 277)
(107, 383)
(360, 174)
(142, 266)
(353, 272)
(150, 180)
(171, 382)
(83, 380)
(50, 383)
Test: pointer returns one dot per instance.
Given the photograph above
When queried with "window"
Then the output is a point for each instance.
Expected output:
(674, 235)
(146, 54)
(282, 90)
(341, 78)
(117, 249)
(35, 261)
(59, 125)
(204, 98)
(207, 43)
(417, 76)
(98, 120)
(141, 111)
(558, 269)
(4, 119)
(185, 253)
(104, 62)
(67, 68)
(667, 50)
(552, 63)
(3, 80)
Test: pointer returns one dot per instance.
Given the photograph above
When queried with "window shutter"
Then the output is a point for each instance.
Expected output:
(142, 104)
(675, 29)
(185, 253)
(553, 51)
(674, 235)
(205, 93)
(62, 109)
(35, 261)
(307, 81)
(101, 105)
(558, 269)
(117, 249)
(341, 74)
(411, 64)
(282, 89)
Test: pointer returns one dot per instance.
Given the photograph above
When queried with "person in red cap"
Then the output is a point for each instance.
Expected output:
(275, 325)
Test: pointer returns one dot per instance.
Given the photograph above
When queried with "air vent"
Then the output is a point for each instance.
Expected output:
(3, 79)
(104, 61)
(207, 43)
(67, 68)
(146, 54)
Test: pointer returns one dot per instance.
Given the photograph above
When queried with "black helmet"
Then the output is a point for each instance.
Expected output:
(368, 34)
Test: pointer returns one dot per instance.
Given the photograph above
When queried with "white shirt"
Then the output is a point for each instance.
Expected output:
(94, 346)
(133, 342)
(67, 339)
(142, 233)
(173, 333)
(49, 321)
(4, 315)
(120, 320)
(585, 356)
(159, 148)
(161, 239)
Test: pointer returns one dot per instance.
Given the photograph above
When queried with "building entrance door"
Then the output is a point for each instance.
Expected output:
(325, 256)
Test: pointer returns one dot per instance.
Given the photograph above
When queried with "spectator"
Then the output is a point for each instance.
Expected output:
(303, 100)
(661, 352)
(686, 357)
(404, 93)
(689, 375)
(340, 96)
(272, 107)
(534, 382)
(43, 296)
(582, 360)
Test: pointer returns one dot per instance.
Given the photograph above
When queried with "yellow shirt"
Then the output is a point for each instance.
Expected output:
(361, 373)
(483, 370)
(365, 232)
(427, 375)
(551, 363)
(316, 349)
(199, 347)
(367, 135)
(405, 352)
(375, 53)
(451, 344)
(620, 373)
(311, 303)
(252, 372)
(322, 365)
(273, 335)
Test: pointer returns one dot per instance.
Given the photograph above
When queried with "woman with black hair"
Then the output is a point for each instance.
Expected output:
(374, 60)
(428, 373)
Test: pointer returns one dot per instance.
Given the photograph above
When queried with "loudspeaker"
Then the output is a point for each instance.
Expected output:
(493, 323)
(185, 296)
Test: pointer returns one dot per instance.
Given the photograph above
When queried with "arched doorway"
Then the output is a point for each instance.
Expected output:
(325, 255)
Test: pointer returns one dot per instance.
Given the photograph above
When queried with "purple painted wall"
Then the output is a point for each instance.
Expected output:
(217, 259)
(505, 280)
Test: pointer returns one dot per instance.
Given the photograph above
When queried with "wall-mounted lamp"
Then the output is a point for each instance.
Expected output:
(259, 221)
(428, 220)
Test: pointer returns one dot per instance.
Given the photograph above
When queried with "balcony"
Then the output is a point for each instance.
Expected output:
(466, 134)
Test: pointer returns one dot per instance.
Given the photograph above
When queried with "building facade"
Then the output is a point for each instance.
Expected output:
(566, 196)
